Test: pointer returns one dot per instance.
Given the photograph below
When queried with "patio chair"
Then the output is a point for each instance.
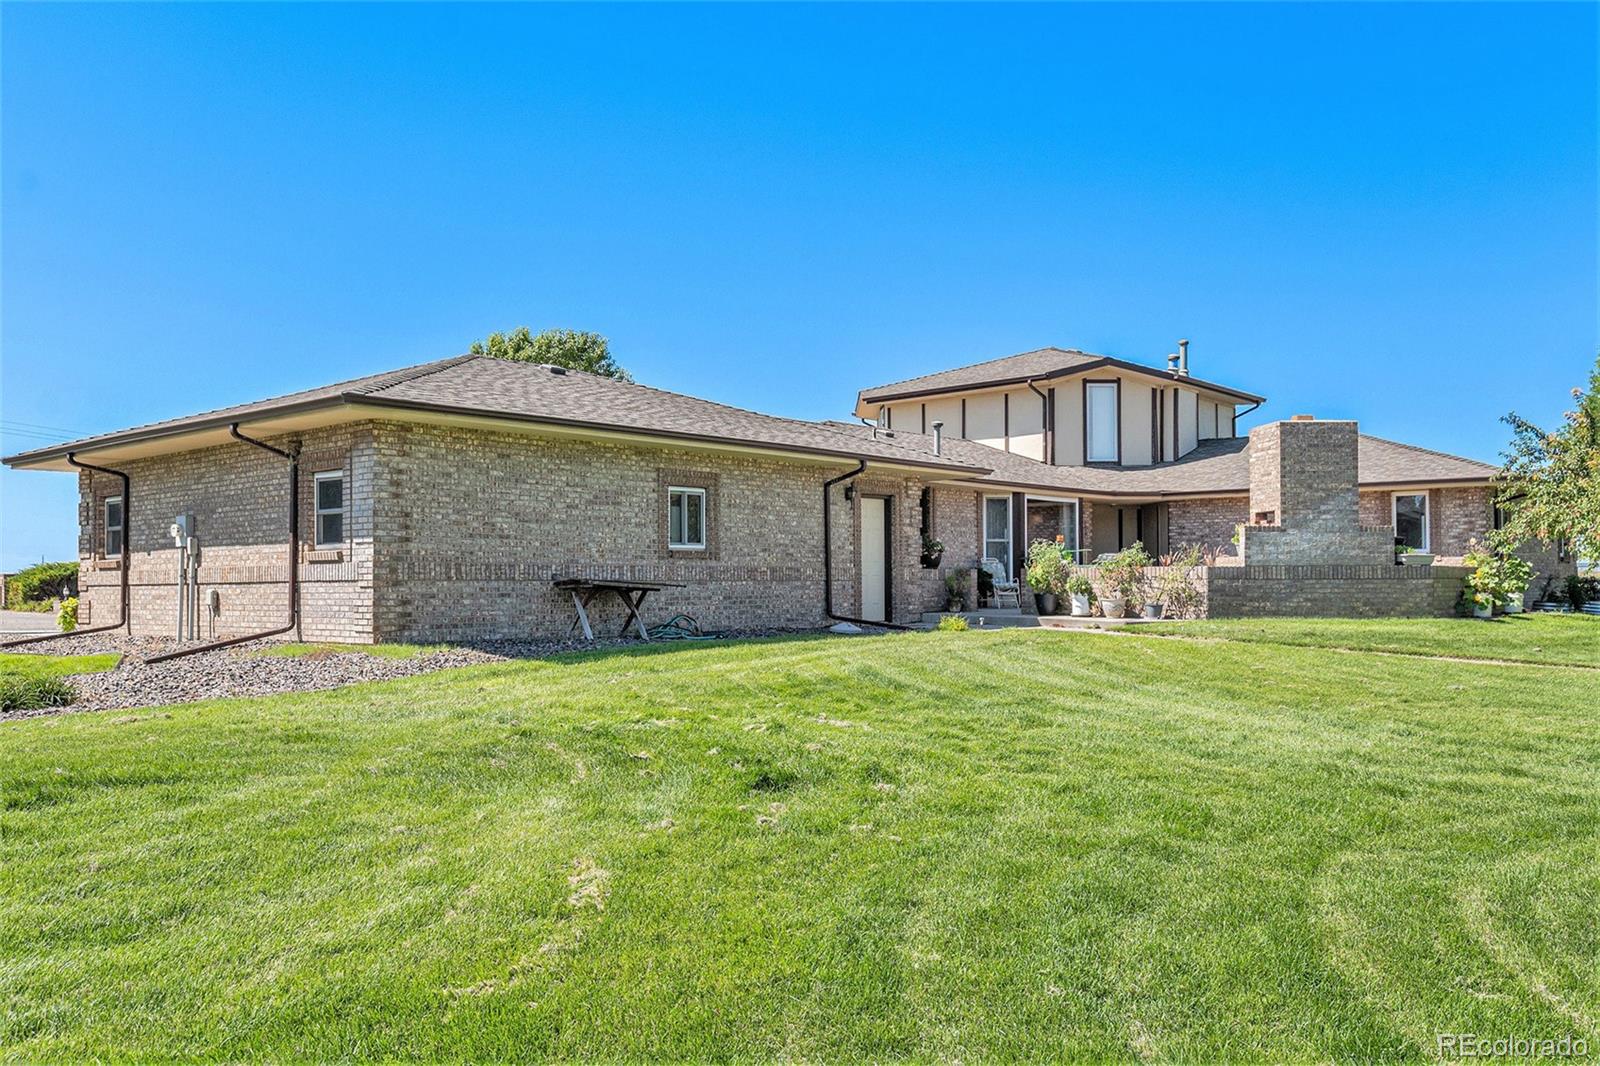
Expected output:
(1004, 585)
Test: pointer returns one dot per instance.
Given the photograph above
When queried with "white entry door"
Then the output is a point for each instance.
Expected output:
(875, 558)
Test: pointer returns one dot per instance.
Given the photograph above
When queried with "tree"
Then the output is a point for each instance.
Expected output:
(1550, 485)
(571, 348)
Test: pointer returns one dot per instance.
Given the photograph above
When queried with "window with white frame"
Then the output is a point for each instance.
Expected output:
(1411, 520)
(997, 529)
(329, 498)
(1100, 413)
(686, 519)
(114, 531)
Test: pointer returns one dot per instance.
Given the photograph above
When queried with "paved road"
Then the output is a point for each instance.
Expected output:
(23, 623)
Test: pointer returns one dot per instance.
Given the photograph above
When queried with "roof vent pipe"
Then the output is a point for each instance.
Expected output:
(1172, 363)
(938, 438)
(1183, 359)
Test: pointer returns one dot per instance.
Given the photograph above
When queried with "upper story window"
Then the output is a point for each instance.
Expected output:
(1101, 434)
(114, 531)
(329, 488)
(686, 519)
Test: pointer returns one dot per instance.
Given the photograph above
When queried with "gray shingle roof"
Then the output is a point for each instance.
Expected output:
(526, 392)
(1015, 369)
(1215, 467)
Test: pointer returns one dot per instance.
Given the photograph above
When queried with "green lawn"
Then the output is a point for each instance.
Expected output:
(935, 846)
(13, 664)
(1531, 638)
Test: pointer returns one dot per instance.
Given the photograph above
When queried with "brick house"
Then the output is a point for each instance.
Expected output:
(440, 501)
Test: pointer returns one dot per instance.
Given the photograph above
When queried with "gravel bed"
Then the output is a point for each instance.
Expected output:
(243, 671)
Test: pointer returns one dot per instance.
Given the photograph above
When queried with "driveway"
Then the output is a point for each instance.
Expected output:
(26, 623)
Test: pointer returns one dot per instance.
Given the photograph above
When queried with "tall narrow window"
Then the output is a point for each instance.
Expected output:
(1411, 519)
(114, 527)
(1100, 413)
(997, 530)
(686, 519)
(330, 508)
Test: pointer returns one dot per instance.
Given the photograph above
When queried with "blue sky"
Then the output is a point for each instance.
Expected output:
(1375, 211)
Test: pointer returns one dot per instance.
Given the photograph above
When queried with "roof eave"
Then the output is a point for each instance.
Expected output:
(25, 460)
(867, 396)
(910, 461)
(34, 458)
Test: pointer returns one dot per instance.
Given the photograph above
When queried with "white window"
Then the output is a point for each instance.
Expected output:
(997, 529)
(330, 508)
(1100, 410)
(686, 519)
(1411, 519)
(113, 527)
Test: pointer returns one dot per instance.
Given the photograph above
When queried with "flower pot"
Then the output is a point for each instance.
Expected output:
(931, 560)
(1080, 605)
(1514, 603)
(1416, 559)
(1112, 606)
(1479, 611)
(1152, 611)
(1046, 602)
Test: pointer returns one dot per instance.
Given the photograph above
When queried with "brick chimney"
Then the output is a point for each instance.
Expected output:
(1304, 507)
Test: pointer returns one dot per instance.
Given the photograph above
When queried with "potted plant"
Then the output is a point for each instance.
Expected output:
(1485, 582)
(954, 592)
(1405, 555)
(1515, 574)
(932, 552)
(1045, 573)
(1179, 588)
(1123, 579)
(1081, 591)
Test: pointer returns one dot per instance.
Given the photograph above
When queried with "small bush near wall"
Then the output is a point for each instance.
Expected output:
(39, 584)
(67, 618)
(34, 693)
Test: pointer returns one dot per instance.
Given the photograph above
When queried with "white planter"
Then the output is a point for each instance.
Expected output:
(1514, 603)
(1482, 612)
(1416, 559)
(1112, 606)
(1080, 605)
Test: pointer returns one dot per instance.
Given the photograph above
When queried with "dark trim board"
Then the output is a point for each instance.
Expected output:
(1019, 534)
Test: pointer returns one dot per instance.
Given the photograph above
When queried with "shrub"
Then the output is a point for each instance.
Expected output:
(955, 590)
(34, 693)
(1515, 574)
(1179, 589)
(1080, 585)
(1124, 571)
(953, 624)
(1578, 591)
(1047, 566)
(67, 619)
(41, 583)
(1485, 584)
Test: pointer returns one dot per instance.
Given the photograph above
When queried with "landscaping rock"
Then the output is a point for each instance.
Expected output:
(243, 670)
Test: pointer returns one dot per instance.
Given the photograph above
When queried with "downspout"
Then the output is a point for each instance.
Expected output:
(293, 457)
(827, 552)
(1048, 422)
(125, 617)
(1234, 432)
